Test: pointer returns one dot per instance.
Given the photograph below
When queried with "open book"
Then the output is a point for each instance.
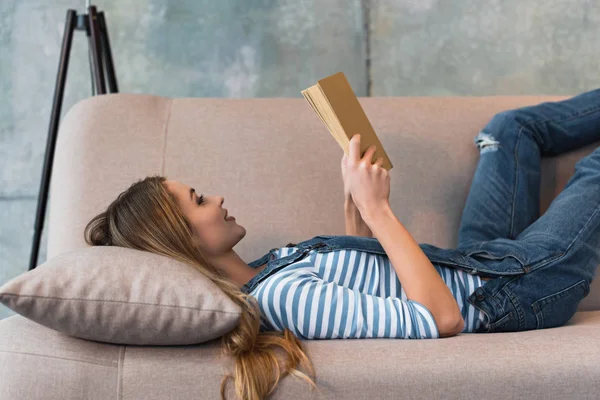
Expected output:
(338, 107)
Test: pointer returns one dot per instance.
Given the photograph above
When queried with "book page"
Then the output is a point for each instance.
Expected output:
(309, 97)
(321, 106)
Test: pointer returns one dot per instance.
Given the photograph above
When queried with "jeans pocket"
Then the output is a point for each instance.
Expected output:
(490, 255)
(493, 258)
(497, 250)
(557, 309)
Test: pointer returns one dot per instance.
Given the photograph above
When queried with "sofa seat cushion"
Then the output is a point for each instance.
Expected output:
(547, 363)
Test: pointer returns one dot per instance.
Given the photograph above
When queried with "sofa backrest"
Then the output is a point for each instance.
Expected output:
(275, 163)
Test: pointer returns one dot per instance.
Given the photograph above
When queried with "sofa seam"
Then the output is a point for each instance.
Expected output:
(165, 129)
(120, 372)
(116, 301)
(59, 358)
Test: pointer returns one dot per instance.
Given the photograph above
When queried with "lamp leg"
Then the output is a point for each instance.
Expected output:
(95, 46)
(99, 53)
(52, 133)
(107, 55)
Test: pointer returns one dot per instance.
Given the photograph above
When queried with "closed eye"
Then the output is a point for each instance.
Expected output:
(200, 199)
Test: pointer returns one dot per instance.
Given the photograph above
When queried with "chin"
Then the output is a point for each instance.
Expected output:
(243, 230)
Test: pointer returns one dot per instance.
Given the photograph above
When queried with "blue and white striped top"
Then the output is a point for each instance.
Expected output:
(354, 294)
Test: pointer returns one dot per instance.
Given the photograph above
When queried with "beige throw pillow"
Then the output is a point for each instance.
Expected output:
(124, 296)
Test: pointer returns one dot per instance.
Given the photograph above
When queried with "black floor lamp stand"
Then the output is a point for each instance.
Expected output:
(101, 63)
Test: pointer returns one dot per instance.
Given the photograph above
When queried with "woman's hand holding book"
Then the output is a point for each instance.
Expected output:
(368, 183)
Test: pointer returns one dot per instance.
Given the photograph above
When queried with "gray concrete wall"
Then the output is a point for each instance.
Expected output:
(275, 48)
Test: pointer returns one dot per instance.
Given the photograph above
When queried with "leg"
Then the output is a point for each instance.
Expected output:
(504, 196)
(562, 253)
(571, 225)
(559, 251)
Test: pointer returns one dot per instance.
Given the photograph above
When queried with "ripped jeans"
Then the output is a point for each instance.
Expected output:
(501, 224)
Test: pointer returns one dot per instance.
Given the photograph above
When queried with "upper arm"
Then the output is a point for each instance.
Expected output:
(315, 309)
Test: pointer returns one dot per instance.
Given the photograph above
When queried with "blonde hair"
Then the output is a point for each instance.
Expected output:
(147, 217)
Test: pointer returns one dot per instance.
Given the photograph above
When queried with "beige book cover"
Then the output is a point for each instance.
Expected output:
(334, 101)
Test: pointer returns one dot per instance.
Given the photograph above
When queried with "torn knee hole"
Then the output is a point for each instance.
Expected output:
(484, 140)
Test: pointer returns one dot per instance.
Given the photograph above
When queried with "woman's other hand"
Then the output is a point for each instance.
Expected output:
(347, 194)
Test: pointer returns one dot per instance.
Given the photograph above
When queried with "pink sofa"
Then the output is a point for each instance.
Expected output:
(279, 171)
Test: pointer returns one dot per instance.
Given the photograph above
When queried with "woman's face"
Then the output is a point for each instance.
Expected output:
(212, 232)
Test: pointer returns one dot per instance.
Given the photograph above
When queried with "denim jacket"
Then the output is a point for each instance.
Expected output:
(326, 243)
(499, 261)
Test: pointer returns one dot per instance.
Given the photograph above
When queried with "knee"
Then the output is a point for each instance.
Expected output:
(508, 121)
(488, 138)
(520, 116)
(505, 124)
(486, 142)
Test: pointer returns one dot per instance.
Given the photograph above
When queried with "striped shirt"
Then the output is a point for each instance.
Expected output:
(354, 294)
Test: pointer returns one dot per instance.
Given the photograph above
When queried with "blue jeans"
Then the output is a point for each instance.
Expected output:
(501, 226)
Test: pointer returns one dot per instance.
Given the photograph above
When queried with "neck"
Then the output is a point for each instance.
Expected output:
(235, 268)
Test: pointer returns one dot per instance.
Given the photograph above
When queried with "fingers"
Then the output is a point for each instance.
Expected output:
(354, 155)
(355, 151)
(369, 155)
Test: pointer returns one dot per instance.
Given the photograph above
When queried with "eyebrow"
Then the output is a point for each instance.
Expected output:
(192, 193)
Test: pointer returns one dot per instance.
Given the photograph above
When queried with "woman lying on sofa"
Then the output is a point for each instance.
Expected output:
(513, 270)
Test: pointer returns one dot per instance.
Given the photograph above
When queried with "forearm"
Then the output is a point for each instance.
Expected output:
(418, 277)
(355, 225)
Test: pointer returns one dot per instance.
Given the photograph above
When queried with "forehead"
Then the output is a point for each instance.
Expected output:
(180, 189)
